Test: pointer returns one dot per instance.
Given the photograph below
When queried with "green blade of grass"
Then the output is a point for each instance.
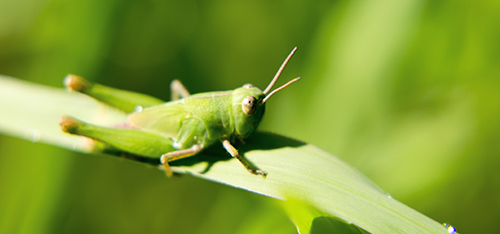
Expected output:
(312, 183)
(307, 175)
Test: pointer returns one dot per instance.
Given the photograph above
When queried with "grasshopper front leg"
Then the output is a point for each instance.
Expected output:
(230, 148)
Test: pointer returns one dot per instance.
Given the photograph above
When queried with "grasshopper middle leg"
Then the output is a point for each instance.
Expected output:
(178, 90)
(175, 155)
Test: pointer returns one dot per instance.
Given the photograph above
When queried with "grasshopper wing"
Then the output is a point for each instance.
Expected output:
(165, 119)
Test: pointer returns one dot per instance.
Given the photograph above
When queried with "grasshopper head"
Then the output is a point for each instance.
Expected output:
(249, 103)
(248, 109)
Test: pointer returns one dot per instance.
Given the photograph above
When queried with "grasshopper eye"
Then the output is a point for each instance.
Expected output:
(249, 105)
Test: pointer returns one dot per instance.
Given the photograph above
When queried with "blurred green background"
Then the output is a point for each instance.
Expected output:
(406, 91)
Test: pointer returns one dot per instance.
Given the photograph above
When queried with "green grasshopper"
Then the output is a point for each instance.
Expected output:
(180, 128)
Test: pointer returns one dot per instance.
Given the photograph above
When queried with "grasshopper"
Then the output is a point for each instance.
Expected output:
(180, 128)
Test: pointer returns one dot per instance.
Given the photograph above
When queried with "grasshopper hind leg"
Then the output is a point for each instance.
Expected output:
(121, 99)
(139, 143)
(131, 141)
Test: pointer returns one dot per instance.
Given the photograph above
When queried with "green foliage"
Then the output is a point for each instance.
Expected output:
(314, 185)
(405, 91)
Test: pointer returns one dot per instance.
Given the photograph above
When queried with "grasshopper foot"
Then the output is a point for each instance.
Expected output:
(168, 170)
(258, 172)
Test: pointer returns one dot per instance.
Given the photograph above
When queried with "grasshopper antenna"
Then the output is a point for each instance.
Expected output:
(275, 78)
(280, 88)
